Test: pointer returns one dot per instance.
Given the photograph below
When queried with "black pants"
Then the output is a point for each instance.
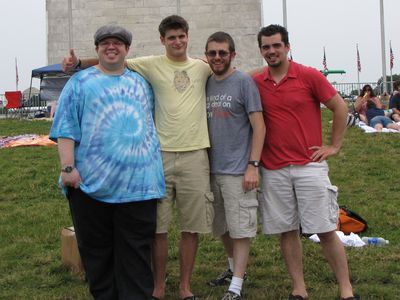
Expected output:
(114, 242)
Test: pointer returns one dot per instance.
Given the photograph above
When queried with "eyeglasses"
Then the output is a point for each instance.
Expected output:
(221, 53)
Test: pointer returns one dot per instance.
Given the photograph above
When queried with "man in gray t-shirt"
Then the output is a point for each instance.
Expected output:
(237, 131)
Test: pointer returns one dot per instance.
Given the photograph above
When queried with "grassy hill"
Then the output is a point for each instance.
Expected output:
(33, 212)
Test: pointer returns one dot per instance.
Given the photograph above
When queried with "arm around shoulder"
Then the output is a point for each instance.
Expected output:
(88, 62)
(256, 71)
(71, 62)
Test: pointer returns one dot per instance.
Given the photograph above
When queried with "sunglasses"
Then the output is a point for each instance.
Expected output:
(221, 53)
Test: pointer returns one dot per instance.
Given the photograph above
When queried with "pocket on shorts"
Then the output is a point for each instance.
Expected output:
(248, 212)
(209, 208)
(333, 206)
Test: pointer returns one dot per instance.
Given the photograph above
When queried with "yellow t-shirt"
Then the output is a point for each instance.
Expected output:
(180, 100)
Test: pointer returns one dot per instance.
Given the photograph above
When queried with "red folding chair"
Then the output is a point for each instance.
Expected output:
(13, 99)
(14, 102)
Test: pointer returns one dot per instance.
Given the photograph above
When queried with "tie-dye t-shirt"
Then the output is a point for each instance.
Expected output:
(110, 118)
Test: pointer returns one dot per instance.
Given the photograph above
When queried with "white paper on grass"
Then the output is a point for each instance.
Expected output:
(351, 240)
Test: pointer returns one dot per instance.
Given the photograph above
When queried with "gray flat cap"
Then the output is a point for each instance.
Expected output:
(115, 31)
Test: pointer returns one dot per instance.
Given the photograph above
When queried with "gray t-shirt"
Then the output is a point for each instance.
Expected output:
(229, 103)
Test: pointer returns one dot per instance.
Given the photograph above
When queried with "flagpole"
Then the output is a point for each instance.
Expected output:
(16, 75)
(70, 25)
(358, 69)
(382, 20)
(391, 66)
(284, 14)
(284, 19)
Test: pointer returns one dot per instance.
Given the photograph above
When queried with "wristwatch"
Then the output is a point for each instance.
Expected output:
(68, 169)
(254, 163)
(78, 65)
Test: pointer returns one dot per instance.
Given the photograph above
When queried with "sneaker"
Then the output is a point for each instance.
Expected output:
(224, 278)
(231, 296)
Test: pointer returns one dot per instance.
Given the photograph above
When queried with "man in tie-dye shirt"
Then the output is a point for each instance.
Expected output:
(111, 169)
(179, 83)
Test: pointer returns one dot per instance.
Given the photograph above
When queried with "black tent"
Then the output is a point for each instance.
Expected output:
(52, 80)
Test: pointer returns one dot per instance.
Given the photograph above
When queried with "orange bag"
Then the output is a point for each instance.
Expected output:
(349, 221)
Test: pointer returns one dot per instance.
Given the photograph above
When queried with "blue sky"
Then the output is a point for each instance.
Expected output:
(23, 35)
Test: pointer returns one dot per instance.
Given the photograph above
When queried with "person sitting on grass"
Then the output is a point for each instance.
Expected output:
(367, 93)
(377, 119)
(394, 103)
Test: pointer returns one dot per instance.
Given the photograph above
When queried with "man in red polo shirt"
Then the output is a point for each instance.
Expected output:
(296, 187)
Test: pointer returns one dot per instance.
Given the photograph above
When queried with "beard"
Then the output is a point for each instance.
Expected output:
(274, 64)
(222, 71)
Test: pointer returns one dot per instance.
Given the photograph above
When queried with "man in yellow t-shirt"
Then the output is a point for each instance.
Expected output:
(179, 84)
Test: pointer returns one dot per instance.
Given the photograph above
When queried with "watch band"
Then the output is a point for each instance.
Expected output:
(254, 163)
(67, 169)
(78, 65)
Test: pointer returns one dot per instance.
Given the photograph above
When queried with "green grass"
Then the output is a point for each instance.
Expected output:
(33, 212)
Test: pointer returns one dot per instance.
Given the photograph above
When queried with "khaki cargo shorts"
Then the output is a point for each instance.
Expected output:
(235, 209)
(298, 195)
(187, 178)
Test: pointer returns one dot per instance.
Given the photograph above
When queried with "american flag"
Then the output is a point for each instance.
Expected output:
(324, 62)
(358, 61)
(391, 57)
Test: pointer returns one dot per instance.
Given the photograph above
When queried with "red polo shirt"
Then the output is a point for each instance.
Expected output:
(292, 114)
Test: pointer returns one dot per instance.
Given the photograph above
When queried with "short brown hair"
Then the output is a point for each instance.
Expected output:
(221, 37)
(173, 22)
(272, 30)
